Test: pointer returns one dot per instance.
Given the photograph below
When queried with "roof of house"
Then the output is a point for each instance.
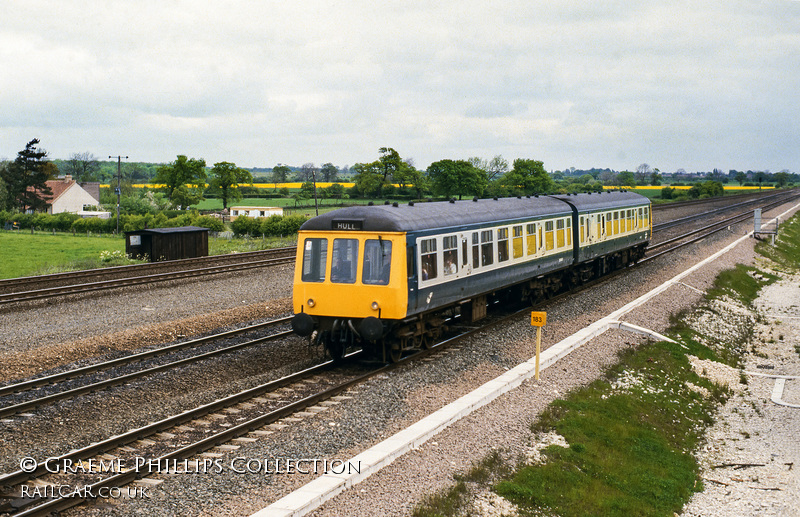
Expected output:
(58, 187)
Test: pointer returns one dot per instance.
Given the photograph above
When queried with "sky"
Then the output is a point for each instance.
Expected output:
(676, 85)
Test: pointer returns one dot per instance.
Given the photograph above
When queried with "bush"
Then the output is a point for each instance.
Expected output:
(212, 223)
(244, 225)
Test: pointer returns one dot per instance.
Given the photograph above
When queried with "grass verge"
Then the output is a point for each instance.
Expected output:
(631, 435)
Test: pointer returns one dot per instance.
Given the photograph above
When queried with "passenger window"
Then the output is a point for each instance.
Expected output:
(517, 244)
(569, 231)
(560, 238)
(345, 261)
(531, 228)
(548, 235)
(486, 247)
(377, 262)
(502, 244)
(315, 254)
(450, 254)
(427, 249)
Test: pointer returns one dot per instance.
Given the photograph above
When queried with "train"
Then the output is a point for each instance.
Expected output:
(387, 278)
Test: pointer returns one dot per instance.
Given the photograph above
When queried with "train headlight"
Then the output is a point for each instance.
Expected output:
(375, 306)
(311, 302)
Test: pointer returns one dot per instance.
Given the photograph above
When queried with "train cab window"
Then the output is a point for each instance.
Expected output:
(315, 254)
(561, 239)
(377, 265)
(450, 254)
(531, 229)
(502, 244)
(345, 261)
(487, 243)
(517, 243)
(647, 217)
(427, 250)
(549, 240)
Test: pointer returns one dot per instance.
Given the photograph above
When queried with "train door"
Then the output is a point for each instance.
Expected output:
(464, 253)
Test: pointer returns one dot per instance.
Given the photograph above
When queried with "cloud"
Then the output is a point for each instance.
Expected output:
(693, 85)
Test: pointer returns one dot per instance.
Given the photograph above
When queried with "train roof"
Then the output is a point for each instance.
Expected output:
(446, 214)
(607, 200)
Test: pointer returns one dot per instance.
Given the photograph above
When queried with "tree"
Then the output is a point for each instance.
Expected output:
(368, 178)
(390, 162)
(626, 179)
(226, 177)
(82, 167)
(280, 174)
(3, 190)
(655, 178)
(741, 177)
(457, 177)
(307, 172)
(184, 180)
(527, 177)
(25, 178)
(642, 171)
(335, 191)
(781, 178)
(329, 173)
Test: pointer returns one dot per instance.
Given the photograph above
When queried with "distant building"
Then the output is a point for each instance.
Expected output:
(255, 211)
(69, 196)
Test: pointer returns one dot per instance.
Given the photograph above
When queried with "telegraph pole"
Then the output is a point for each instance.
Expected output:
(118, 189)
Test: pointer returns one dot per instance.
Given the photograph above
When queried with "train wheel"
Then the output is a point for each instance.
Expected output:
(336, 350)
(395, 351)
(425, 341)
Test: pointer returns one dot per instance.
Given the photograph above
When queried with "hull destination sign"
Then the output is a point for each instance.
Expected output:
(342, 224)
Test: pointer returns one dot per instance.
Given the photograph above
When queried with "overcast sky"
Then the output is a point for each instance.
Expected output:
(693, 85)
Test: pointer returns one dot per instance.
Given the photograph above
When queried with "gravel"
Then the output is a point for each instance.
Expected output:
(384, 405)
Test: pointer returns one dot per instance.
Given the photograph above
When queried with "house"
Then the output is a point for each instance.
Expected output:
(69, 196)
(255, 211)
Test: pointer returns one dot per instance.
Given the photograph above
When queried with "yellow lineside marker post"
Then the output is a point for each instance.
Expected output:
(538, 320)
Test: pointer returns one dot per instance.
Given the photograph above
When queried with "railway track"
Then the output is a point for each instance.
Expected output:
(16, 287)
(79, 381)
(751, 202)
(163, 444)
(63, 284)
(236, 405)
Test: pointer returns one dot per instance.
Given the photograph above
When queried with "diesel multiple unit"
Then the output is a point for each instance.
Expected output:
(386, 277)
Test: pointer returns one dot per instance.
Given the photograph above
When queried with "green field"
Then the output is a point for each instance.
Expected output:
(26, 254)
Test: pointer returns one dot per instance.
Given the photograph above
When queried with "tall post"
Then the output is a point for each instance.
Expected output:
(119, 180)
(314, 179)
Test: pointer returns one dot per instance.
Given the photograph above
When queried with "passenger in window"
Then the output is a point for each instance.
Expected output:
(450, 267)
